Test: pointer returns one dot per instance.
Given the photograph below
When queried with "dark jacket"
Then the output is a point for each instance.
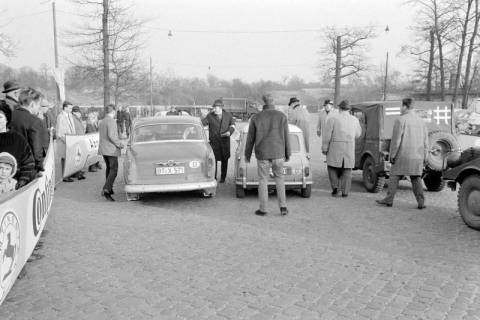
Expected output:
(216, 128)
(18, 147)
(91, 127)
(31, 129)
(268, 133)
(10, 102)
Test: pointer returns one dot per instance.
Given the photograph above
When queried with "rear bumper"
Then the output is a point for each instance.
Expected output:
(145, 188)
(288, 184)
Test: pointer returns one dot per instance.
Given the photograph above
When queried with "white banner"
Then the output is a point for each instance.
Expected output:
(23, 214)
(81, 150)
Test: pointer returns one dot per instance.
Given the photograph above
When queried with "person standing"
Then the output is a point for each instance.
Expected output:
(65, 126)
(12, 90)
(338, 144)
(109, 147)
(327, 111)
(26, 123)
(299, 116)
(408, 151)
(220, 127)
(120, 121)
(79, 130)
(128, 121)
(268, 133)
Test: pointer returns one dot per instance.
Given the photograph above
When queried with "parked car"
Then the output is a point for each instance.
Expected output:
(168, 154)
(465, 171)
(372, 147)
(298, 174)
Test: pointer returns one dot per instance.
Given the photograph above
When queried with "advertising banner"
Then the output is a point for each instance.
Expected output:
(23, 214)
(81, 151)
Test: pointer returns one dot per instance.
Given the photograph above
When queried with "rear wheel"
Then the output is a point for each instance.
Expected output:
(240, 192)
(307, 191)
(469, 201)
(371, 180)
(434, 181)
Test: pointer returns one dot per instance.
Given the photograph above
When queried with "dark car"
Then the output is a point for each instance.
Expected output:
(372, 147)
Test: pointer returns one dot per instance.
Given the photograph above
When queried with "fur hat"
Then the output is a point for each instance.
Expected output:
(293, 100)
(7, 158)
(344, 105)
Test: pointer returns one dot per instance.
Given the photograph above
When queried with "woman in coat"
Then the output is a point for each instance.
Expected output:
(220, 127)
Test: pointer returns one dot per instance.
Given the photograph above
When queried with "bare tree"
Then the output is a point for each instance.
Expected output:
(6, 43)
(471, 48)
(344, 53)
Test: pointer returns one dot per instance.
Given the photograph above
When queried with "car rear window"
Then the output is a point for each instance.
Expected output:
(168, 131)
(294, 143)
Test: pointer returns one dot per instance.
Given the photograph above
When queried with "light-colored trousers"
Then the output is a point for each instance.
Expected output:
(263, 168)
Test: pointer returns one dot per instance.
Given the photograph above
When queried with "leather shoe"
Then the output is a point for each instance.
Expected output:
(283, 211)
(383, 203)
(107, 195)
(421, 206)
(334, 192)
(67, 179)
(260, 212)
(344, 195)
(81, 177)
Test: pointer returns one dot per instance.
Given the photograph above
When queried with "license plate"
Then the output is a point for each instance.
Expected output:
(169, 170)
(285, 170)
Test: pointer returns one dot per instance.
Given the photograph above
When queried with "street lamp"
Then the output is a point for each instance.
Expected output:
(386, 71)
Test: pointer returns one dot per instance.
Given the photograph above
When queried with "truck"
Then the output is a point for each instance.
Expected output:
(240, 108)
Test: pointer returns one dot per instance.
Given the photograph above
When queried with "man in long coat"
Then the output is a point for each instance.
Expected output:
(299, 116)
(408, 150)
(338, 143)
(327, 111)
(65, 126)
(220, 127)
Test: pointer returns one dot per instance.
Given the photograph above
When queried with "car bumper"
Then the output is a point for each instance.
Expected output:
(288, 184)
(145, 188)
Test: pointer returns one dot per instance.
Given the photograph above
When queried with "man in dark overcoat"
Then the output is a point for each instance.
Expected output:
(408, 150)
(220, 127)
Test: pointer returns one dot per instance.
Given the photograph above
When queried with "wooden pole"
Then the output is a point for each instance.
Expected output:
(55, 45)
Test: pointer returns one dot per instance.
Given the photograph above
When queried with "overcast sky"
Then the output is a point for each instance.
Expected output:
(227, 38)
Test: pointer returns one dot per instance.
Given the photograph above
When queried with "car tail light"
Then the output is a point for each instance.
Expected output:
(210, 165)
(240, 172)
(306, 170)
(132, 170)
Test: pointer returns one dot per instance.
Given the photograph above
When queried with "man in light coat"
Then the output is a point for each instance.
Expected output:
(299, 116)
(65, 126)
(408, 151)
(338, 143)
(109, 146)
(327, 111)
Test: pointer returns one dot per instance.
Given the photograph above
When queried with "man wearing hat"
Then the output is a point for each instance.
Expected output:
(327, 111)
(299, 116)
(11, 89)
(338, 144)
(220, 127)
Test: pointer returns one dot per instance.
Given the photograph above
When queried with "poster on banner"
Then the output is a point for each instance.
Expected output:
(23, 214)
(81, 150)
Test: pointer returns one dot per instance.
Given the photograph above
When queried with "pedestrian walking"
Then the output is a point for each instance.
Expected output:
(408, 151)
(299, 116)
(11, 89)
(268, 134)
(65, 126)
(327, 111)
(109, 147)
(338, 144)
(220, 127)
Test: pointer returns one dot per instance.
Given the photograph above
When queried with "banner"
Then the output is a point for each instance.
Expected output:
(23, 214)
(81, 150)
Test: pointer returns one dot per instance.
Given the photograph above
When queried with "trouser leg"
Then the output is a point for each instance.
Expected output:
(263, 167)
(333, 176)
(62, 162)
(112, 167)
(417, 187)
(216, 167)
(277, 169)
(392, 188)
(345, 180)
(224, 169)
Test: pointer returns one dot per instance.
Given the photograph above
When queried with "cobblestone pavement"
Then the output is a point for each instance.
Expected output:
(184, 257)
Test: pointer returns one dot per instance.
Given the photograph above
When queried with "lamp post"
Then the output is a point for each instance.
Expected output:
(386, 71)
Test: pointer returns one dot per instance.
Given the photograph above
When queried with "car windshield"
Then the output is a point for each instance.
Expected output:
(168, 131)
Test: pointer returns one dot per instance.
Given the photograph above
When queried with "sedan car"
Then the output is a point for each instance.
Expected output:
(297, 171)
(168, 154)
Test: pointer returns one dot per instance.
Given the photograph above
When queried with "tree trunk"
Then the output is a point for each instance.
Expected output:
(462, 52)
(106, 64)
(338, 70)
(440, 53)
(430, 65)
(466, 88)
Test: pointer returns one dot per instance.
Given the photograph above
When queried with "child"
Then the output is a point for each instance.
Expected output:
(8, 168)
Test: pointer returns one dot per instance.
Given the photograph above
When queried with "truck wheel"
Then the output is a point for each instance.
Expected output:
(434, 181)
(240, 192)
(469, 201)
(440, 143)
(371, 180)
(307, 191)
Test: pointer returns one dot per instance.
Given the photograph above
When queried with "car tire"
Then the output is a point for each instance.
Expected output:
(440, 143)
(133, 196)
(469, 201)
(371, 180)
(239, 191)
(307, 191)
(434, 181)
